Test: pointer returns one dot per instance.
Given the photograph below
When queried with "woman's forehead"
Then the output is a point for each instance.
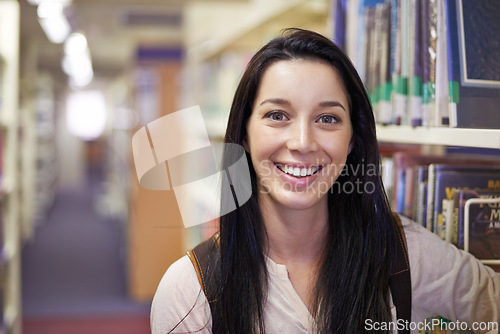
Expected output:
(297, 76)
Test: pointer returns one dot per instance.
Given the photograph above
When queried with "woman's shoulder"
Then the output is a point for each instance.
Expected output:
(178, 282)
(425, 246)
(447, 281)
(180, 268)
(179, 296)
(415, 232)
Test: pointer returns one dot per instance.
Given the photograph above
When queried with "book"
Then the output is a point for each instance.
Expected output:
(415, 71)
(375, 54)
(441, 115)
(484, 223)
(472, 29)
(383, 23)
(444, 179)
(339, 14)
(403, 199)
(360, 40)
(370, 73)
(428, 33)
(399, 69)
(420, 197)
(460, 197)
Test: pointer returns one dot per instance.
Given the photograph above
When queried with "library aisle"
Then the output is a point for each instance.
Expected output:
(73, 272)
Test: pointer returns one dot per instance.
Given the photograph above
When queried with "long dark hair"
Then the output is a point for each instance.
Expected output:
(353, 279)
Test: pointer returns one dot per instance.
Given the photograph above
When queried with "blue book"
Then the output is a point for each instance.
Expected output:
(473, 28)
(339, 14)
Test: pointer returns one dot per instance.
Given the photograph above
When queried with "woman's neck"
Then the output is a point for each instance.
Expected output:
(295, 237)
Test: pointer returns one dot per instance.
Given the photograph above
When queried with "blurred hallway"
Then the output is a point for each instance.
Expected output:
(74, 271)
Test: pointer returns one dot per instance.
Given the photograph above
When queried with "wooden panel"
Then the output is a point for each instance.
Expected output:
(156, 232)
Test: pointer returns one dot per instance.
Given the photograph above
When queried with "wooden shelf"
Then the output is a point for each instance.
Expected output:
(481, 138)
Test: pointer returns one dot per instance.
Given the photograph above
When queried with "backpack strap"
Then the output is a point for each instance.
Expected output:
(400, 279)
(205, 258)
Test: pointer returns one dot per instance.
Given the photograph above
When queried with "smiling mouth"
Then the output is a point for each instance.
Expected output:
(298, 171)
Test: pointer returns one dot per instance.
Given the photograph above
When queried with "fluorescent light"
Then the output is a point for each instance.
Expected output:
(49, 9)
(53, 22)
(38, 2)
(56, 29)
(76, 62)
(86, 114)
(77, 82)
(75, 44)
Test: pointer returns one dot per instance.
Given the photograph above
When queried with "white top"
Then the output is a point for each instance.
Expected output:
(445, 281)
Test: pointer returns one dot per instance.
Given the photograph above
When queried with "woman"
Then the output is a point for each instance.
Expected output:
(312, 250)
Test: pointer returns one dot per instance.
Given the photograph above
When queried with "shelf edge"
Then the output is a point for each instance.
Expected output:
(480, 138)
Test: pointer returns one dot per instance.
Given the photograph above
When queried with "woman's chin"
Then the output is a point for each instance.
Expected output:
(295, 200)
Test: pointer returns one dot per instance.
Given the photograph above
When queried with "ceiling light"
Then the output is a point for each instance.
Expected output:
(53, 22)
(56, 29)
(86, 114)
(49, 9)
(38, 2)
(75, 44)
(76, 62)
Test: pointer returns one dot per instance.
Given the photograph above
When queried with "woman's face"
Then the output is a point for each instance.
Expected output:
(299, 133)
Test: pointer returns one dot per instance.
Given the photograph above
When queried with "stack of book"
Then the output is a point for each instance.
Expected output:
(435, 192)
(425, 62)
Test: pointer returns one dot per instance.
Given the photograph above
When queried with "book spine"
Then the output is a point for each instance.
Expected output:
(455, 222)
(446, 229)
(415, 71)
(428, 29)
(402, 89)
(453, 60)
(442, 92)
(431, 183)
(339, 8)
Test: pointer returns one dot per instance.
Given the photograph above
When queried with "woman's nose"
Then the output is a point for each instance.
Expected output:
(301, 137)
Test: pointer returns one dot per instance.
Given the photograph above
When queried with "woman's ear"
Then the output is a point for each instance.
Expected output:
(349, 149)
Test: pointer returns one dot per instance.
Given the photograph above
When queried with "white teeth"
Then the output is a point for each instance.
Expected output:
(298, 172)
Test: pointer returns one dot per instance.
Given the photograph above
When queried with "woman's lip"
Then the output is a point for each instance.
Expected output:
(298, 170)
(299, 164)
(297, 182)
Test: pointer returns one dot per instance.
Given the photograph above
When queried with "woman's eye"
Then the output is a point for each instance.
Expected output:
(328, 119)
(276, 116)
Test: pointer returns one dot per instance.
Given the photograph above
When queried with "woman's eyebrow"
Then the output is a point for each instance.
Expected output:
(276, 101)
(284, 102)
(331, 104)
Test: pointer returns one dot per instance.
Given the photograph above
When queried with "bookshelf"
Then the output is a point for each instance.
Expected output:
(37, 148)
(10, 257)
(479, 138)
(44, 144)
